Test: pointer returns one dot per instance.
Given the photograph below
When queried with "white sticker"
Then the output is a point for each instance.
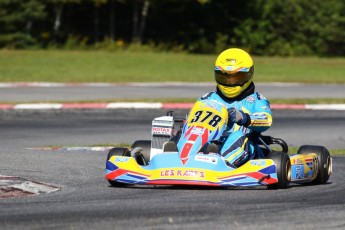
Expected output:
(207, 159)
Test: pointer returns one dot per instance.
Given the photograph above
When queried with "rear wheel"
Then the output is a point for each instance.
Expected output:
(145, 145)
(324, 164)
(282, 161)
(117, 152)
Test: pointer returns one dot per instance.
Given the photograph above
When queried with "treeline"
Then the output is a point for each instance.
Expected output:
(265, 27)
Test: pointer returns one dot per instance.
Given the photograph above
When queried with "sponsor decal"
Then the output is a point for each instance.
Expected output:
(231, 60)
(297, 161)
(161, 131)
(198, 131)
(207, 159)
(299, 171)
(250, 99)
(182, 173)
(258, 163)
(122, 159)
(212, 104)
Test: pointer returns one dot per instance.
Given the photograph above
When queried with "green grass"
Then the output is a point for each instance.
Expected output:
(103, 66)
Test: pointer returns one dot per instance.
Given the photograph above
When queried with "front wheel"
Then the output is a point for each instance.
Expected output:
(324, 164)
(117, 152)
(145, 146)
(283, 165)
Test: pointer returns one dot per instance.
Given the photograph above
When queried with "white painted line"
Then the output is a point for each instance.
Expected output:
(38, 106)
(326, 107)
(136, 105)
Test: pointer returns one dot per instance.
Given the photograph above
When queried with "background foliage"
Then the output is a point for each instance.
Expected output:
(264, 27)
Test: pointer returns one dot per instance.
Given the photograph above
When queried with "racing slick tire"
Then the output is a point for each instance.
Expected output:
(145, 145)
(282, 161)
(324, 162)
(117, 152)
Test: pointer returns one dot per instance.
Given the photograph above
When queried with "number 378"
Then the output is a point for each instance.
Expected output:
(202, 116)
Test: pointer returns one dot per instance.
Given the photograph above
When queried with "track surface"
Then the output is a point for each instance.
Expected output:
(86, 200)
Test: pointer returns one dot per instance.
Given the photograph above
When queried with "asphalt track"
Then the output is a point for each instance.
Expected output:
(87, 201)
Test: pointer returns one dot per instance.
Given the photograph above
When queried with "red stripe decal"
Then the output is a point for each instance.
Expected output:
(255, 175)
(181, 182)
(187, 147)
(119, 172)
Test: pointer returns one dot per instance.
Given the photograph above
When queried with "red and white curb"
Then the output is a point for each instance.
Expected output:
(148, 105)
(11, 186)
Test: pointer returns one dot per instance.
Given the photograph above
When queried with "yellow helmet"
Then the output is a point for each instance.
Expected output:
(233, 71)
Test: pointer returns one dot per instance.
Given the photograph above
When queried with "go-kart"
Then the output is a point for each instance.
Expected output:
(190, 156)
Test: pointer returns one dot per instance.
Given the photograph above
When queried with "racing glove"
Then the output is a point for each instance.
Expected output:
(239, 117)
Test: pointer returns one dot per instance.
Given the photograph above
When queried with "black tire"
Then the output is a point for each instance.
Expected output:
(117, 152)
(282, 161)
(324, 162)
(146, 148)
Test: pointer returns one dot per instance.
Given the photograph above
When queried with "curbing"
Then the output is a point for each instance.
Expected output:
(136, 105)
(147, 105)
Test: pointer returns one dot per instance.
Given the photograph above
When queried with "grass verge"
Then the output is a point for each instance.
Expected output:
(103, 66)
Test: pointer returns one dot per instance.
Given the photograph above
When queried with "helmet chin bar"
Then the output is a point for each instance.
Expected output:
(230, 93)
(233, 91)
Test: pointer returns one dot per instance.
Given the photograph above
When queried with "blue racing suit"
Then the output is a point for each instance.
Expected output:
(238, 142)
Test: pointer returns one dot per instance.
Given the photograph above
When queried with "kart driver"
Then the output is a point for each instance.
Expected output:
(249, 111)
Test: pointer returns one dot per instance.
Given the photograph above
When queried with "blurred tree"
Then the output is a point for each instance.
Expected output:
(58, 9)
(139, 19)
(294, 27)
(265, 27)
(17, 20)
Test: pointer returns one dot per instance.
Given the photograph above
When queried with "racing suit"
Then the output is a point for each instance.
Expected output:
(238, 142)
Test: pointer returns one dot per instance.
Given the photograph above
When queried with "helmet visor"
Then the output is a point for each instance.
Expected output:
(231, 79)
